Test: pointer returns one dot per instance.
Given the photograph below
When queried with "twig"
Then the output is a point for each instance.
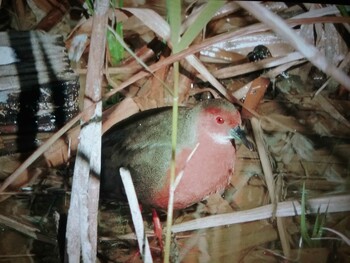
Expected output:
(335, 204)
(343, 237)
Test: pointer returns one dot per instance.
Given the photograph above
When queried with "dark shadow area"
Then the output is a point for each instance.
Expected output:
(34, 90)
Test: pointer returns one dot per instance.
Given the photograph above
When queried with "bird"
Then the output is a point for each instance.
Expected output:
(205, 153)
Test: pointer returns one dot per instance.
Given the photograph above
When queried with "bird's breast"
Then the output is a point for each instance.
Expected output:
(204, 170)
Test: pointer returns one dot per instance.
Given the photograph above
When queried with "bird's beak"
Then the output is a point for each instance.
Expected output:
(238, 134)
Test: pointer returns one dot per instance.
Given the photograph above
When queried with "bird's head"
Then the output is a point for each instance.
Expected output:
(221, 121)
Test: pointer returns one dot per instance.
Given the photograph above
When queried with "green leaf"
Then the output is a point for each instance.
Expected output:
(116, 50)
(201, 21)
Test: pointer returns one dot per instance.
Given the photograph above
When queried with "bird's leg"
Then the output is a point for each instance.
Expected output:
(157, 228)
(135, 257)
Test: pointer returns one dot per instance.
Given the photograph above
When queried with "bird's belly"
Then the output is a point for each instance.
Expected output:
(207, 171)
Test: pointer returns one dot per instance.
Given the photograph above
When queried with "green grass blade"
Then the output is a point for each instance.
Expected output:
(90, 6)
(116, 50)
(303, 226)
(174, 16)
(203, 18)
(316, 228)
(323, 223)
(317, 224)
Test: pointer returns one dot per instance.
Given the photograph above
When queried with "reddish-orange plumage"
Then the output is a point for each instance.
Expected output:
(143, 145)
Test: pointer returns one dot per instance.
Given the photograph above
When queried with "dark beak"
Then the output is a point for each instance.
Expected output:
(238, 134)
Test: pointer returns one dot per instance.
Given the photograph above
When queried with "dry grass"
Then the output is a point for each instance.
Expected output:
(301, 130)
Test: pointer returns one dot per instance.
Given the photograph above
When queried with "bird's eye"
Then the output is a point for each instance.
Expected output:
(220, 120)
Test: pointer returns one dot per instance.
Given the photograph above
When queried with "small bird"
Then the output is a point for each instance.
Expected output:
(205, 153)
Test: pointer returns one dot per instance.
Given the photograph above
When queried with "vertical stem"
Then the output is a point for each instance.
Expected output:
(173, 164)
(174, 15)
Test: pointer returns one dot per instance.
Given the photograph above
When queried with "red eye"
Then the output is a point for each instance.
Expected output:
(220, 120)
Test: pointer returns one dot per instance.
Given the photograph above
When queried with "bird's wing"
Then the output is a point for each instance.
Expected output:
(131, 145)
